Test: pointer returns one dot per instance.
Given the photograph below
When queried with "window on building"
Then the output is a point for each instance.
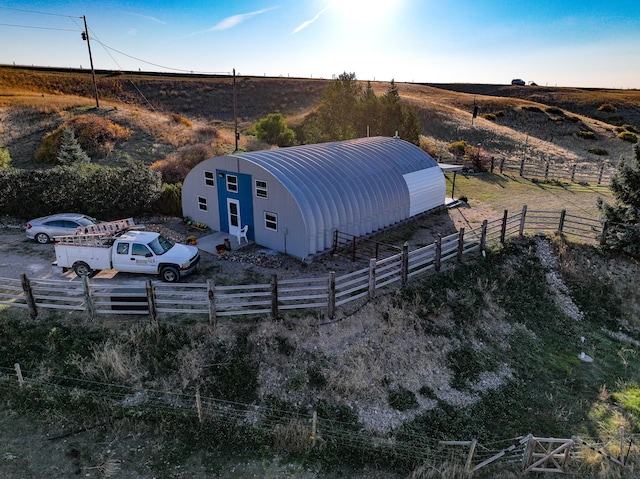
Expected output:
(209, 178)
(271, 221)
(202, 203)
(261, 189)
(232, 183)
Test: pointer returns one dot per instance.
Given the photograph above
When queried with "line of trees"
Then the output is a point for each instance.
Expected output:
(347, 111)
(350, 111)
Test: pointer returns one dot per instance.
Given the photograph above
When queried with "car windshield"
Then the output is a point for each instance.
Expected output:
(161, 245)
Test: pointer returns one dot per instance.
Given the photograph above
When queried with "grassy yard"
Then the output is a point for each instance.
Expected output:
(498, 192)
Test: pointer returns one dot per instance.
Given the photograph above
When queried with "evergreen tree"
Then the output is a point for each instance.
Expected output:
(391, 111)
(71, 153)
(369, 118)
(338, 111)
(347, 111)
(411, 128)
(623, 217)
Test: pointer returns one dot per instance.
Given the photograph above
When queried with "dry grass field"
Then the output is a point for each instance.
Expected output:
(539, 124)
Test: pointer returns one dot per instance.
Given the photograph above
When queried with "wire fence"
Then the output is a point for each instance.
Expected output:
(295, 432)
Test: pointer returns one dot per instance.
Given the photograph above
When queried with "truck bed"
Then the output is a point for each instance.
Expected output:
(96, 257)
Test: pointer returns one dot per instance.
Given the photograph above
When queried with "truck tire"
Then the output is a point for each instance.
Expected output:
(80, 268)
(170, 274)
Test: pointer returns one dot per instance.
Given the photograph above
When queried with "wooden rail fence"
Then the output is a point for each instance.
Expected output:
(155, 298)
(585, 173)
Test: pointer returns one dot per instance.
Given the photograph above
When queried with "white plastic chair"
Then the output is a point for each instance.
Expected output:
(242, 233)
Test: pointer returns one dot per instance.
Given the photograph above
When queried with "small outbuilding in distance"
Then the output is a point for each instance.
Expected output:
(293, 199)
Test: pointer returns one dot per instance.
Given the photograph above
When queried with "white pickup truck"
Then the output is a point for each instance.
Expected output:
(128, 251)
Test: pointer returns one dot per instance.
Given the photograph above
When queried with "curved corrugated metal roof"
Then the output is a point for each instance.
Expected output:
(355, 186)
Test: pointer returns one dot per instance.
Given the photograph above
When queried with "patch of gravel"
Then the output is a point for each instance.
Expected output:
(561, 297)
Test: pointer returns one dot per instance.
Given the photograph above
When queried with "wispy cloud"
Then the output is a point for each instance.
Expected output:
(304, 25)
(234, 20)
(147, 17)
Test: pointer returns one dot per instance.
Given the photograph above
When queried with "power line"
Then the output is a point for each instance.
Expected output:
(156, 64)
(38, 13)
(37, 28)
(94, 37)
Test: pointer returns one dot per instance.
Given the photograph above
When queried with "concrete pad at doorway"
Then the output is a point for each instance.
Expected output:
(209, 242)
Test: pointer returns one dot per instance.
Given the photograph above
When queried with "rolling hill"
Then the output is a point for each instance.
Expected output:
(166, 112)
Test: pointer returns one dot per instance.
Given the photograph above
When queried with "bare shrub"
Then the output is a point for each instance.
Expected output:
(97, 136)
(587, 135)
(292, 437)
(429, 147)
(628, 136)
(206, 134)
(179, 119)
(110, 361)
(257, 145)
(175, 167)
(607, 108)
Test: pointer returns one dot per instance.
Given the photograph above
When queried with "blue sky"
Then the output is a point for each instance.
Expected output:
(562, 43)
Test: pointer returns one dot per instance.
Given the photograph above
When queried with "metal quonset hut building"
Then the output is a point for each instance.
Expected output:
(293, 199)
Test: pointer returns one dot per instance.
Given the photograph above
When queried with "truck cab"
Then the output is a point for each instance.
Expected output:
(117, 246)
(152, 253)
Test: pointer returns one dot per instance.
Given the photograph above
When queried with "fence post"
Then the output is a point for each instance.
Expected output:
(353, 244)
(372, 278)
(19, 374)
(405, 262)
(460, 244)
(563, 215)
(331, 300)
(546, 172)
(603, 238)
(211, 295)
(274, 297)
(483, 238)
(523, 217)
(501, 165)
(573, 172)
(151, 301)
(503, 229)
(198, 405)
(438, 252)
(314, 428)
(472, 450)
(28, 294)
(335, 241)
(600, 173)
(522, 167)
(88, 299)
(492, 163)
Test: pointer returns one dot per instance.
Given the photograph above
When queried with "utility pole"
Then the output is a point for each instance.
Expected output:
(235, 113)
(85, 36)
